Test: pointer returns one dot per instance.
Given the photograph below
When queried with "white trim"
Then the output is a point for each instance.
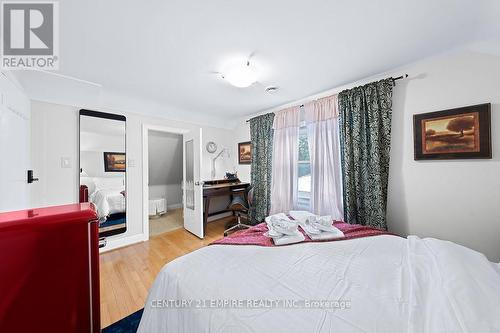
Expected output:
(13, 79)
(145, 171)
(114, 243)
(95, 84)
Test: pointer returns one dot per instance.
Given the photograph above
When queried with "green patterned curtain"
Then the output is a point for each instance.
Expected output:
(365, 138)
(261, 135)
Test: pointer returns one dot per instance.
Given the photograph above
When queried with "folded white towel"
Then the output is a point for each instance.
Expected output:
(283, 230)
(324, 220)
(289, 239)
(280, 216)
(316, 227)
(300, 215)
(278, 227)
(325, 235)
(283, 226)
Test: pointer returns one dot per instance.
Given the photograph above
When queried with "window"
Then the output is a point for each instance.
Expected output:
(304, 174)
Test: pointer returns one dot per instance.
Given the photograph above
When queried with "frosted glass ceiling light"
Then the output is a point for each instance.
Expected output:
(240, 75)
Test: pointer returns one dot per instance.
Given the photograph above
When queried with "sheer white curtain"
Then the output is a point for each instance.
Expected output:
(322, 117)
(285, 158)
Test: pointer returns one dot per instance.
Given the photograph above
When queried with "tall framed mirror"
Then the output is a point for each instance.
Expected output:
(103, 175)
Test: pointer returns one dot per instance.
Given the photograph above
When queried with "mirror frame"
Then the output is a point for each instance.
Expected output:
(98, 114)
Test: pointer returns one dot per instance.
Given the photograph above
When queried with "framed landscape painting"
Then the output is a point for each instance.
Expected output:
(114, 162)
(460, 133)
(245, 152)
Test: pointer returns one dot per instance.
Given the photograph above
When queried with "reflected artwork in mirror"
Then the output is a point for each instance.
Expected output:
(103, 168)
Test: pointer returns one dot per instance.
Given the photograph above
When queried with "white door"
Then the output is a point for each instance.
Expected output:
(15, 152)
(193, 186)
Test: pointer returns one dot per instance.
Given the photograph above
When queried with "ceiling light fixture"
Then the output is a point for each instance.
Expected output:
(240, 75)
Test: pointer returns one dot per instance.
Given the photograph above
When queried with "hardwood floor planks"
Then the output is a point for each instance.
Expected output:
(128, 273)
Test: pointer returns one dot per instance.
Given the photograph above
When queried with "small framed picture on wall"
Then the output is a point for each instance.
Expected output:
(460, 133)
(245, 152)
(114, 162)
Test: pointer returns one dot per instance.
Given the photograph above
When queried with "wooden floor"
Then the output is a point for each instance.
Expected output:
(128, 273)
(171, 220)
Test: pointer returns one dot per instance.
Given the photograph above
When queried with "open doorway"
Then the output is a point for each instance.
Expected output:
(165, 179)
(190, 184)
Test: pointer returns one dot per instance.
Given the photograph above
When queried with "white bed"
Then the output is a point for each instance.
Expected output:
(107, 194)
(384, 284)
(108, 201)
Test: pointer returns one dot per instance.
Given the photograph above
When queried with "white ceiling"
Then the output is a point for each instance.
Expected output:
(165, 52)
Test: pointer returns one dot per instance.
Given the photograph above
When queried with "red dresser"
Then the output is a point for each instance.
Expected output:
(49, 270)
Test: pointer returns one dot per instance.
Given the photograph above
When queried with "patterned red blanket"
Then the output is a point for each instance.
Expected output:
(255, 235)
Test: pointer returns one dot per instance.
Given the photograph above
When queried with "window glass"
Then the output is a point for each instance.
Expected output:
(304, 172)
(303, 145)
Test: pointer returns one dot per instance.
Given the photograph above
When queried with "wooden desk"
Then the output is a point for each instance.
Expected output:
(219, 188)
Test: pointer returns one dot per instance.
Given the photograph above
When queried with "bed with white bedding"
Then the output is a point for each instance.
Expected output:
(373, 284)
(108, 201)
(107, 194)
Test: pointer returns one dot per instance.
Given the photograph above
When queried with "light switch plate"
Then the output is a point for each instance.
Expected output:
(65, 162)
(131, 163)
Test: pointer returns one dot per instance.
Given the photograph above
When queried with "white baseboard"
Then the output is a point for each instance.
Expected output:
(115, 243)
(174, 206)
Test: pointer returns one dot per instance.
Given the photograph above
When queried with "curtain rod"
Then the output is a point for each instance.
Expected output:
(404, 76)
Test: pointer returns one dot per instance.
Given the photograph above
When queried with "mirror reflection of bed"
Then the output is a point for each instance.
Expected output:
(165, 179)
(103, 168)
(108, 196)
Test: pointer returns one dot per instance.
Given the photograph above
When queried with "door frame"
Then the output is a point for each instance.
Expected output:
(145, 169)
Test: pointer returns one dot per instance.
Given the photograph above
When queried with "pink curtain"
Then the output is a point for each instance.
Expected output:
(285, 158)
(324, 150)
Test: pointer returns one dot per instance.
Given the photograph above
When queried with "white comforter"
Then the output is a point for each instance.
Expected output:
(108, 201)
(383, 284)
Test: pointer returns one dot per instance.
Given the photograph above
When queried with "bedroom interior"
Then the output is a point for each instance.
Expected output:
(320, 166)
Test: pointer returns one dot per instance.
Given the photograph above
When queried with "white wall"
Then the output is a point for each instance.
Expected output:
(453, 200)
(223, 139)
(242, 134)
(165, 167)
(172, 192)
(92, 163)
(15, 143)
(55, 135)
(93, 146)
(100, 142)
